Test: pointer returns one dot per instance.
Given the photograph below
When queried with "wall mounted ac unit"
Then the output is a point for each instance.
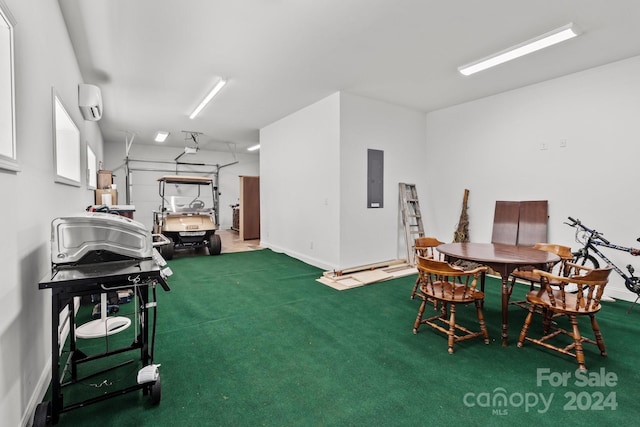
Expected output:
(90, 102)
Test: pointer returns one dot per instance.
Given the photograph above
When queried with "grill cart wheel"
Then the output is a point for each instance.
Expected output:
(156, 391)
(42, 417)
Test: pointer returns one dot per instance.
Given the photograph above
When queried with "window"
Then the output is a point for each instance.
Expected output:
(8, 156)
(66, 142)
(92, 177)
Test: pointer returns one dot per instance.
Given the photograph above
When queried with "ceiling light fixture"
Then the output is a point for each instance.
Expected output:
(161, 136)
(558, 35)
(208, 98)
(254, 147)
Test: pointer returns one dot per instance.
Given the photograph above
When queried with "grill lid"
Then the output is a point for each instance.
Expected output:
(98, 236)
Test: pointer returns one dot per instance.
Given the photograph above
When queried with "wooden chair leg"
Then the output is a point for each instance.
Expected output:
(577, 338)
(416, 325)
(547, 315)
(443, 310)
(415, 288)
(483, 326)
(482, 279)
(452, 328)
(598, 335)
(511, 285)
(525, 327)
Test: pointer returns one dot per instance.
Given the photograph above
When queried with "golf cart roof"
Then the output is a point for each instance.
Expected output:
(184, 179)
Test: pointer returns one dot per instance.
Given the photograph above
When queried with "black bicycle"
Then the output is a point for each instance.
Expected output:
(590, 239)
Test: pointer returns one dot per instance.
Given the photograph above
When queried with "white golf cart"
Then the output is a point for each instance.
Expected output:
(184, 217)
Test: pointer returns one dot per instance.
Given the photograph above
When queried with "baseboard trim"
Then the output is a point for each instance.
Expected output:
(38, 394)
(302, 257)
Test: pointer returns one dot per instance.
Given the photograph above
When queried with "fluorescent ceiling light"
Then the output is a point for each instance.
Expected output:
(161, 136)
(254, 147)
(208, 98)
(548, 39)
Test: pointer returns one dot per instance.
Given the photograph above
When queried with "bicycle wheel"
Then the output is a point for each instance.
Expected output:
(585, 260)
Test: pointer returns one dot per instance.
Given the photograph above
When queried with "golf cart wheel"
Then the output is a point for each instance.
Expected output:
(156, 391)
(168, 249)
(215, 245)
(41, 418)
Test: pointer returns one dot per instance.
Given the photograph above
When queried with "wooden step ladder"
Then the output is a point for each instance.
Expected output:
(411, 217)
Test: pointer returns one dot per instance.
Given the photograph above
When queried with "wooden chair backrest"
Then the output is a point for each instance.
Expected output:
(439, 278)
(426, 247)
(564, 252)
(590, 282)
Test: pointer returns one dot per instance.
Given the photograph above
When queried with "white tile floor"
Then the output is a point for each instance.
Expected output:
(231, 242)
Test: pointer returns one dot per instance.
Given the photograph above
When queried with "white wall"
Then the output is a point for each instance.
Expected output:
(492, 147)
(300, 184)
(44, 59)
(314, 180)
(144, 192)
(374, 235)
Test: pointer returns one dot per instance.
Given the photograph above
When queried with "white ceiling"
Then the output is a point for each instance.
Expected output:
(155, 60)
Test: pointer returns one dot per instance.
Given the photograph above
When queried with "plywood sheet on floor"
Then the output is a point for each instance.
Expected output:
(365, 275)
(372, 276)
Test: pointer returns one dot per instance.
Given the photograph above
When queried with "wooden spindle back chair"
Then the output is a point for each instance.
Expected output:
(425, 247)
(527, 274)
(553, 298)
(450, 286)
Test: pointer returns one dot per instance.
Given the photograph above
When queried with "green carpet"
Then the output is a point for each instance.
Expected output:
(252, 339)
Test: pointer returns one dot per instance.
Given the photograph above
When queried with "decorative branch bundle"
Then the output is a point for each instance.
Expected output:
(461, 234)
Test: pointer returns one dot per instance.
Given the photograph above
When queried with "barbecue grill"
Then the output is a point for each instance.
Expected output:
(96, 253)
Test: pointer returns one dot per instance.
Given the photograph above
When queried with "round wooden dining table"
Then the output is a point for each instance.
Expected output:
(503, 259)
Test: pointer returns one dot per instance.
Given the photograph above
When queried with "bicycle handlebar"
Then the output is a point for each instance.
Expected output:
(594, 234)
(574, 222)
